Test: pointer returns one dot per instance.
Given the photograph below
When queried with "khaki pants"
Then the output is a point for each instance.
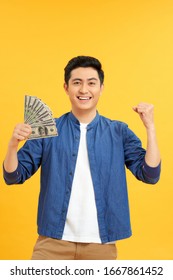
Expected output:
(54, 249)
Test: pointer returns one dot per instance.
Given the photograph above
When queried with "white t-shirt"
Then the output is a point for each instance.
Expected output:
(81, 222)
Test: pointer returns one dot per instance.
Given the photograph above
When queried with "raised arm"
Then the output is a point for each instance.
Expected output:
(146, 113)
(20, 133)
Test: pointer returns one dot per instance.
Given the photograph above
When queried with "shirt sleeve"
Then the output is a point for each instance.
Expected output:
(152, 172)
(11, 177)
(29, 160)
(135, 159)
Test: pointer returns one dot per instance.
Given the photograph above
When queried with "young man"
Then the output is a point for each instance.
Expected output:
(83, 204)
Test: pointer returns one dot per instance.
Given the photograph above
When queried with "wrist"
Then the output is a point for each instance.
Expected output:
(150, 128)
(13, 144)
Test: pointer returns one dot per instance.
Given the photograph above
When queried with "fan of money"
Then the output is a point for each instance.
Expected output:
(39, 116)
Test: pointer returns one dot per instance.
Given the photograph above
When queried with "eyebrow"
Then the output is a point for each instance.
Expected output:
(78, 79)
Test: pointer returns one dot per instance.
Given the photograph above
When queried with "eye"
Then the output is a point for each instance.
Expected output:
(92, 83)
(76, 83)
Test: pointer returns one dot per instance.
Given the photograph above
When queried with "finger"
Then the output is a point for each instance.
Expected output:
(145, 106)
(23, 127)
(134, 109)
(138, 110)
(19, 137)
(22, 131)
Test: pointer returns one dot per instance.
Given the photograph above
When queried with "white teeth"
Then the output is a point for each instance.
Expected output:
(84, 98)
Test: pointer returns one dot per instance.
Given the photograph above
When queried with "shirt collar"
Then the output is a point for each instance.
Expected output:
(90, 125)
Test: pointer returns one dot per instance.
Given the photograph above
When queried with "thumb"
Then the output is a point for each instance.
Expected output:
(135, 109)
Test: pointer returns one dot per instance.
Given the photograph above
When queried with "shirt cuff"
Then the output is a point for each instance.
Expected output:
(152, 172)
(11, 177)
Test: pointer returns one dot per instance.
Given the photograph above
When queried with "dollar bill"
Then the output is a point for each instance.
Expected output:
(43, 131)
(39, 116)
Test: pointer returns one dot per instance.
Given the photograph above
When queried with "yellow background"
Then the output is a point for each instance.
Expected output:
(134, 41)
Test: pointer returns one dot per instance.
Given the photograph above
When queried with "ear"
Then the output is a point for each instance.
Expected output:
(101, 89)
(66, 88)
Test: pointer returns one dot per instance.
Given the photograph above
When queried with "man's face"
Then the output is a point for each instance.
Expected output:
(84, 89)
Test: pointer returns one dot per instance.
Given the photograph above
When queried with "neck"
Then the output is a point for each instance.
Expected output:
(84, 116)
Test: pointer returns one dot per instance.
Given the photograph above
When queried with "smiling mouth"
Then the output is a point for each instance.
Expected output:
(84, 97)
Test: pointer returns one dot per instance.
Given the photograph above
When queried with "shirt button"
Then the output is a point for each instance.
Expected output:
(71, 173)
(67, 192)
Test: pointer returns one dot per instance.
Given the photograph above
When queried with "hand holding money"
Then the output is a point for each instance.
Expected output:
(39, 123)
(39, 116)
(21, 132)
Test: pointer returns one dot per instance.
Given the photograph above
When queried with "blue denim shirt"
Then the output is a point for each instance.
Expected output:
(112, 146)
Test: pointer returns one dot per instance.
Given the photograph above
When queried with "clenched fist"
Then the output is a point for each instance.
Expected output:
(146, 113)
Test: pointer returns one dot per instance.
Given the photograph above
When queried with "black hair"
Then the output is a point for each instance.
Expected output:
(83, 61)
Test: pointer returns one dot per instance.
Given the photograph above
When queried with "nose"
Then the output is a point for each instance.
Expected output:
(83, 89)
